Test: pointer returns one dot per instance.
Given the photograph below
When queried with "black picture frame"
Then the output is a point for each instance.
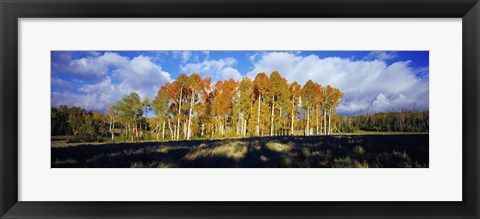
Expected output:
(12, 10)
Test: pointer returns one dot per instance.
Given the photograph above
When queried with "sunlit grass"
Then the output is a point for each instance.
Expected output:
(235, 150)
(380, 151)
(274, 146)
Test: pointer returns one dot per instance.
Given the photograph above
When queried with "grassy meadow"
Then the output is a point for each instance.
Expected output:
(336, 151)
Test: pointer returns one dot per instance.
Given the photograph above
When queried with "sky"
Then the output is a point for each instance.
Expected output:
(372, 81)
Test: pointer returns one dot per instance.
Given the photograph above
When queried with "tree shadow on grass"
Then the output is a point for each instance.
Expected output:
(261, 152)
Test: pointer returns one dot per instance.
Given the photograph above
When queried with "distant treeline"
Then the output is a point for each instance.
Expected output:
(403, 121)
(82, 125)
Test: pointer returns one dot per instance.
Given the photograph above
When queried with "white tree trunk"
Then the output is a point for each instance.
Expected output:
(321, 122)
(325, 121)
(271, 118)
(179, 112)
(258, 117)
(329, 119)
(239, 127)
(189, 131)
(112, 130)
(316, 113)
(163, 130)
(282, 120)
(292, 116)
(308, 122)
(185, 130)
(172, 134)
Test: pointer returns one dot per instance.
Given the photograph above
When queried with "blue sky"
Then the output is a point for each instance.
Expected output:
(371, 80)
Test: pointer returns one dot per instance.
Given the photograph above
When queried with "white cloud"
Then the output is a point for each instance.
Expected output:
(92, 68)
(183, 55)
(369, 85)
(141, 71)
(139, 75)
(219, 69)
(61, 83)
(87, 101)
(382, 102)
(380, 55)
(253, 57)
(100, 96)
(422, 72)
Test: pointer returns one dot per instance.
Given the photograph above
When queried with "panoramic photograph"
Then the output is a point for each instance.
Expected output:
(239, 109)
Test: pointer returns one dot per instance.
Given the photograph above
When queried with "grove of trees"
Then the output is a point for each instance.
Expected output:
(192, 107)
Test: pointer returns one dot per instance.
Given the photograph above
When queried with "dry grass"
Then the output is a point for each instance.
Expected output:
(165, 149)
(274, 146)
(359, 150)
(133, 152)
(372, 151)
(362, 164)
(306, 152)
(136, 165)
(347, 162)
(263, 158)
(165, 165)
(59, 143)
(287, 161)
(235, 150)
